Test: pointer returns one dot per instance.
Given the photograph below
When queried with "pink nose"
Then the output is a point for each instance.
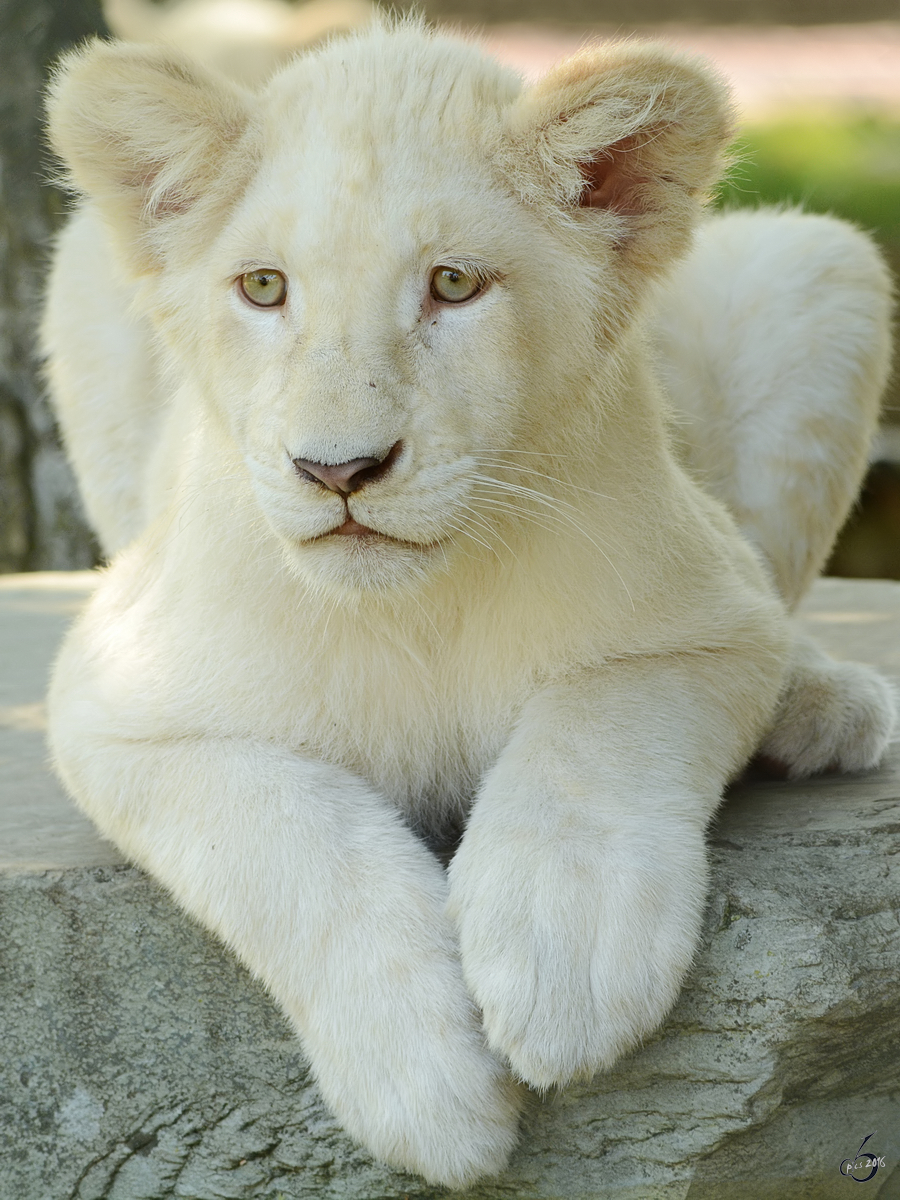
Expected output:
(347, 477)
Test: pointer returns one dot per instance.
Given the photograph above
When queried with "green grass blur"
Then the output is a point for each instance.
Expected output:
(849, 166)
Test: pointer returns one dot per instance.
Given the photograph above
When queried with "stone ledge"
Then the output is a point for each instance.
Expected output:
(141, 1062)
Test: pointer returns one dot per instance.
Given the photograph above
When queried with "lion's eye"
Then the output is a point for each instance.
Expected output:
(265, 288)
(453, 286)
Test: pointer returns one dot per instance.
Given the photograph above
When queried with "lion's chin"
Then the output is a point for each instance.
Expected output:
(355, 559)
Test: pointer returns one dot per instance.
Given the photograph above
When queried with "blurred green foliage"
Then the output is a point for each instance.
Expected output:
(850, 166)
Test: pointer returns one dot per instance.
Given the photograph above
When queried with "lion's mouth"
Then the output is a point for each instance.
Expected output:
(352, 528)
(364, 534)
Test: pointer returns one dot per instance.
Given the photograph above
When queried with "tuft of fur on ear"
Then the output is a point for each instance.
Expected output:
(632, 130)
(144, 132)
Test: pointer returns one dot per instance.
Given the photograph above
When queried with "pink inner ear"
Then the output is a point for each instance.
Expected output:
(613, 180)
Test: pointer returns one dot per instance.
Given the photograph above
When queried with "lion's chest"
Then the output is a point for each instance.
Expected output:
(421, 730)
(421, 719)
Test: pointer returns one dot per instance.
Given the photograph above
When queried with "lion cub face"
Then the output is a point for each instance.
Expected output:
(392, 276)
(391, 366)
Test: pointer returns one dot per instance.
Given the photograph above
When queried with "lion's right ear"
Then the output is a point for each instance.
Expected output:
(146, 134)
(630, 134)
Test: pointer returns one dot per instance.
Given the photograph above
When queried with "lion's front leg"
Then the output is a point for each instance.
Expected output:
(580, 883)
(316, 883)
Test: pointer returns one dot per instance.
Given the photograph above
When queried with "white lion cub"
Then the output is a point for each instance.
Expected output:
(356, 377)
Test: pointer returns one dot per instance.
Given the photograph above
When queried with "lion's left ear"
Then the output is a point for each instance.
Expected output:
(634, 130)
(148, 135)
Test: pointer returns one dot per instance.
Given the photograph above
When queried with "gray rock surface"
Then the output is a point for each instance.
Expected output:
(140, 1061)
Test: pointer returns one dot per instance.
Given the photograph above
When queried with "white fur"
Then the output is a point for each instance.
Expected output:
(782, 436)
(567, 642)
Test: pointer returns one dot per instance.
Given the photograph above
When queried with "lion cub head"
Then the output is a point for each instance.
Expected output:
(394, 280)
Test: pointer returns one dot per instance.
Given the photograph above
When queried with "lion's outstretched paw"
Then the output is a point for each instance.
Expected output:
(574, 953)
(832, 716)
(419, 1088)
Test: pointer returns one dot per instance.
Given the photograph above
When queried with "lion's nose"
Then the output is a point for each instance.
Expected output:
(347, 477)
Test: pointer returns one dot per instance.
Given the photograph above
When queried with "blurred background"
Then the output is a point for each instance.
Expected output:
(817, 84)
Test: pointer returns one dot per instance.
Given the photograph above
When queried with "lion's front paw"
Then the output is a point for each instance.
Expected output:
(832, 715)
(397, 1048)
(576, 951)
(439, 1105)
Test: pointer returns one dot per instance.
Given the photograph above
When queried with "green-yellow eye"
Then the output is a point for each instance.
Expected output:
(265, 288)
(453, 286)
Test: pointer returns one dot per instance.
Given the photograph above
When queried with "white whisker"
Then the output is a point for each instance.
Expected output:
(490, 532)
(577, 487)
(560, 516)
